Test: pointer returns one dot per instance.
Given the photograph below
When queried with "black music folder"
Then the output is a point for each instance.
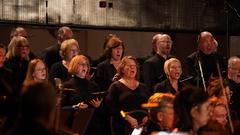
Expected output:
(95, 95)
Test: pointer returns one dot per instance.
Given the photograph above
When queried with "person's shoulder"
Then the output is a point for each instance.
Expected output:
(151, 59)
(6, 70)
(57, 64)
(163, 82)
(51, 48)
(104, 63)
(160, 85)
(192, 55)
(171, 56)
(69, 82)
(220, 56)
(142, 84)
(92, 82)
(115, 84)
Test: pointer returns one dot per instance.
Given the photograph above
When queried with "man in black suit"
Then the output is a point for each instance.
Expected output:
(153, 67)
(207, 58)
(51, 54)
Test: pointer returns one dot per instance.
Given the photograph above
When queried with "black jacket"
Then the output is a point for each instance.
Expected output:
(209, 66)
(153, 70)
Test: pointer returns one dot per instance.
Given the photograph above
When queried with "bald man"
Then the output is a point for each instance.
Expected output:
(19, 31)
(208, 56)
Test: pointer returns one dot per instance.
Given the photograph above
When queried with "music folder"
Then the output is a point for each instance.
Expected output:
(95, 95)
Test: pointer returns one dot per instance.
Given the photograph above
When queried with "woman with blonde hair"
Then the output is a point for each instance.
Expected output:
(18, 47)
(69, 49)
(18, 57)
(37, 71)
(173, 71)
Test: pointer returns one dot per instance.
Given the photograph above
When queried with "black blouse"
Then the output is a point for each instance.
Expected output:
(166, 87)
(120, 97)
(105, 74)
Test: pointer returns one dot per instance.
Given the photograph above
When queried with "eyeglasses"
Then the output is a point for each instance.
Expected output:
(40, 69)
(235, 69)
(166, 42)
(23, 46)
(83, 64)
(131, 66)
(74, 51)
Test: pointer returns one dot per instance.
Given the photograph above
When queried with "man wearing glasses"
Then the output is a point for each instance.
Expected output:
(153, 72)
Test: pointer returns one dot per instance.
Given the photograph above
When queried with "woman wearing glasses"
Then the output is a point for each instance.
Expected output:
(18, 57)
(81, 88)
(69, 49)
(127, 94)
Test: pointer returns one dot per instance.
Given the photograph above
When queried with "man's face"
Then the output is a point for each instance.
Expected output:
(164, 45)
(207, 44)
(21, 32)
(68, 34)
(166, 116)
(234, 72)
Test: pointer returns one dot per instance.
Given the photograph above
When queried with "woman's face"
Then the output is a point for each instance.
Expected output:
(200, 114)
(71, 51)
(130, 69)
(164, 44)
(40, 72)
(175, 70)
(82, 68)
(22, 49)
(117, 53)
